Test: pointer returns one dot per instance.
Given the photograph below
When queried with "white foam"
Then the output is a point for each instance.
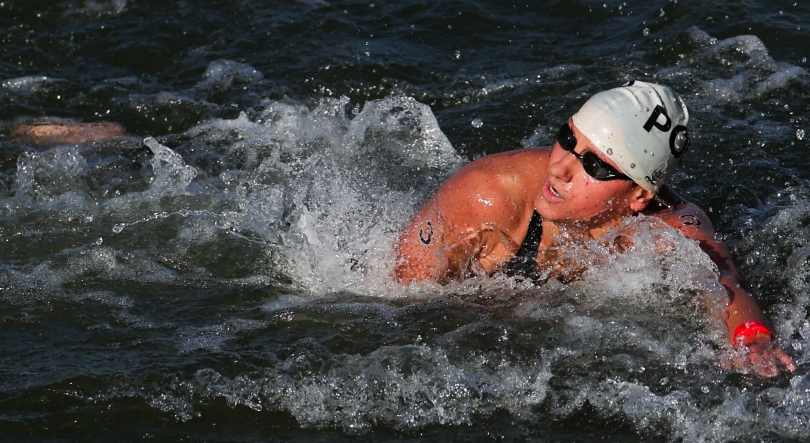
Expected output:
(212, 338)
(733, 69)
(321, 186)
(33, 83)
(44, 177)
(224, 74)
(171, 174)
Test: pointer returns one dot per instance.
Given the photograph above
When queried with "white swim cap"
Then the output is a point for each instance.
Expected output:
(641, 127)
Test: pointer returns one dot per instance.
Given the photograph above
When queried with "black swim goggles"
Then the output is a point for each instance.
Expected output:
(592, 164)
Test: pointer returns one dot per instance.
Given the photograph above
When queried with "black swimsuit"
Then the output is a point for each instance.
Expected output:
(524, 263)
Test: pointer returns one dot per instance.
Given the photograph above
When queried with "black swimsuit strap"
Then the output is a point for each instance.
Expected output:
(525, 260)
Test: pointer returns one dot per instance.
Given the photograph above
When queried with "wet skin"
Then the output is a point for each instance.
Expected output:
(478, 219)
(54, 132)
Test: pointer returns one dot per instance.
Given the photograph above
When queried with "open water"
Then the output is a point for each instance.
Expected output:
(222, 274)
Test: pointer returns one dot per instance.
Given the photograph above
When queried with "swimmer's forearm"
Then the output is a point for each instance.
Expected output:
(742, 308)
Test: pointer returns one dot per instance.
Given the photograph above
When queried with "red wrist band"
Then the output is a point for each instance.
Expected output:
(747, 330)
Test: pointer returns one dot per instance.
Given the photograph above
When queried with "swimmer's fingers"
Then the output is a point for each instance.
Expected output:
(782, 357)
(764, 359)
(760, 361)
(738, 360)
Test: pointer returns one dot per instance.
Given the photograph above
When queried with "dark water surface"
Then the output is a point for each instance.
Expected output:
(228, 279)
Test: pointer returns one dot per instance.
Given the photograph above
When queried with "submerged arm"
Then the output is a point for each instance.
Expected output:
(747, 324)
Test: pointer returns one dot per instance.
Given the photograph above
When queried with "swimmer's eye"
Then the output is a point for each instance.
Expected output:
(592, 164)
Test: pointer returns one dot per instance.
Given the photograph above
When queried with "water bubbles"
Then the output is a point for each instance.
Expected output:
(118, 228)
(704, 389)
(457, 55)
(632, 165)
(610, 151)
(712, 41)
(662, 13)
(646, 32)
(477, 123)
(800, 134)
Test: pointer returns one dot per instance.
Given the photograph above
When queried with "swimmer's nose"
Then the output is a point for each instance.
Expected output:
(564, 168)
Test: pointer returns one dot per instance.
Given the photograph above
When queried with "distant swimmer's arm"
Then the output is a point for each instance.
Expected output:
(60, 131)
(459, 232)
(746, 323)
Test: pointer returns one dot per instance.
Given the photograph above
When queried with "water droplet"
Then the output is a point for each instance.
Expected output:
(662, 13)
(632, 165)
(458, 55)
(477, 123)
(646, 32)
(800, 134)
(118, 228)
(712, 41)
(610, 151)
(704, 389)
(804, 59)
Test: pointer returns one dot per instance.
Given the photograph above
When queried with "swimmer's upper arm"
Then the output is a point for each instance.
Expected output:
(443, 236)
(695, 224)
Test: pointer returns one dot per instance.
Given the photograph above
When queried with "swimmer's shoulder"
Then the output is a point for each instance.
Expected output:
(503, 181)
(680, 213)
(520, 162)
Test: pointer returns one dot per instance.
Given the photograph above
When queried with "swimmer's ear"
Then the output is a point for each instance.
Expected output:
(640, 198)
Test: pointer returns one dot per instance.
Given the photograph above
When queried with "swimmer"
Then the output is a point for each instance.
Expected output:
(54, 131)
(524, 208)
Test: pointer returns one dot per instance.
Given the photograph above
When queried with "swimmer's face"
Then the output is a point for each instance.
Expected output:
(571, 194)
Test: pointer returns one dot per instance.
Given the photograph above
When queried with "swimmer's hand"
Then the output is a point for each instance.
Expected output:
(762, 357)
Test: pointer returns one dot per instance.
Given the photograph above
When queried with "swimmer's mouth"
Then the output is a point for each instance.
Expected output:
(550, 193)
